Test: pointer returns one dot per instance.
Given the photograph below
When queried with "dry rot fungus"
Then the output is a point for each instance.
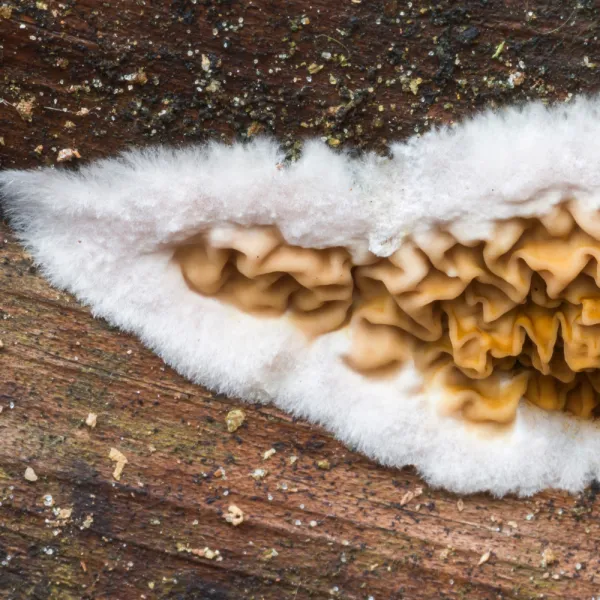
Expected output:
(255, 270)
(486, 322)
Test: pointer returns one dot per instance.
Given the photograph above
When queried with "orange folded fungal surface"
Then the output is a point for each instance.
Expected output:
(257, 272)
(491, 322)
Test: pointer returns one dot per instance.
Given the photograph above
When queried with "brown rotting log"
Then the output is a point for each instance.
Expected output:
(360, 75)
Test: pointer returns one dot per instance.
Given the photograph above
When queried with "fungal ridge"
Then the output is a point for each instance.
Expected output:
(487, 321)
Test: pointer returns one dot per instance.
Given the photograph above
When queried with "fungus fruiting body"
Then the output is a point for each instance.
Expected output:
(439, 308)
(513, 317)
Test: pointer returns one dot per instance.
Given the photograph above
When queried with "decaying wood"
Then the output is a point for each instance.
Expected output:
(319, 521)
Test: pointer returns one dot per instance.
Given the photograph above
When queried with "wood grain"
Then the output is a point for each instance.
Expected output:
(360, 75)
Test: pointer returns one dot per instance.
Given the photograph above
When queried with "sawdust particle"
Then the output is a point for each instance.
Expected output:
(410, 495)
(414, 85)
(234, 419)
(121, 461)
(267, 455)
(259, 474)
(67, 154)
(30, 474)
(234, 515)
(25, 109)
(87, 522)
(548, 557)
(269, 554)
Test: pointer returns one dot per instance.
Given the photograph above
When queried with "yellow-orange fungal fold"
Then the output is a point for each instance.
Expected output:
(491, 321)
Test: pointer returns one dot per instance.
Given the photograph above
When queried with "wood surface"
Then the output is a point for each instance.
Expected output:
(98, 77)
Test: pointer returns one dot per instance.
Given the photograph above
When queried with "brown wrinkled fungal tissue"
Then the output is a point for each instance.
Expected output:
(494, 321)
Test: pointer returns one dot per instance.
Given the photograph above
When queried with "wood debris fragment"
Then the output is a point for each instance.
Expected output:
(25, 109)
(30, 475)
(201, 552)
(234, 419)
(121, 461)
(87, 522)
(235, 515)
(548, 557)
(64, 514)
(484, 558)
(267, 455)
(259, 474)
(515, 79)
(410, 495)
(254, 129)
(406, 498)
(67, 154)
(139, 77)
(269, 554)
(499, 49)
(415, 84)
(446, 552)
